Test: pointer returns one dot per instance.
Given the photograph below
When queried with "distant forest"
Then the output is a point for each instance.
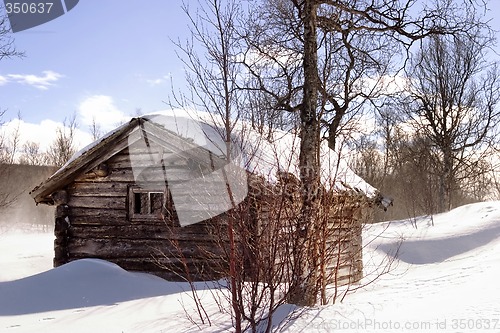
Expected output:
(17, 208)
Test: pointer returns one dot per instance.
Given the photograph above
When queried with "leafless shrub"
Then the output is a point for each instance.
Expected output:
(7, 48)
(63, 147)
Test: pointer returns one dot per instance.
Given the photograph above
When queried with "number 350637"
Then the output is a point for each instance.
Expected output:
(28, 8)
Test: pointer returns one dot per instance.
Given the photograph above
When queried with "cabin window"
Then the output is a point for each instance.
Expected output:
(150, 204)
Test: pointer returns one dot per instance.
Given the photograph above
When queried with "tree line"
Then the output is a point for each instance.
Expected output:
(436, 142)
(12, 151)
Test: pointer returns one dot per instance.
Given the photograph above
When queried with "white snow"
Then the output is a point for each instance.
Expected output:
(446, 281)
(261, 156)
(256, 154)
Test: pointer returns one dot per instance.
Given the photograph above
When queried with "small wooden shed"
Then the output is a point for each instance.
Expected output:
(123, 199)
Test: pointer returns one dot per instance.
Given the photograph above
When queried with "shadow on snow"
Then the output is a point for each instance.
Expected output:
(422, 252)
(81, 283)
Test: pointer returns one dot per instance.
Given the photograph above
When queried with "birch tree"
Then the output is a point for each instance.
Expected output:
(325, 59)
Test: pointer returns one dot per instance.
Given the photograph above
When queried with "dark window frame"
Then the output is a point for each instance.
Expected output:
(148, 209)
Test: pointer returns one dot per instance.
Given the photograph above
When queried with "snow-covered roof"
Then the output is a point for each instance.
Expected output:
(249, 150)
(260, 155)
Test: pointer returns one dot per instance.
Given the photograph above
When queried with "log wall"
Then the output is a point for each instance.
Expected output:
(344, 249)
(339, 234)
(94, 222)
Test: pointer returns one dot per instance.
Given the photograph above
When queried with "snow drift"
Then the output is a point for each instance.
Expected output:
(82, 283)
(446, 281)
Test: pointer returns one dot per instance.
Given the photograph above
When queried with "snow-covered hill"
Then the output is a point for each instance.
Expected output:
(445, 280)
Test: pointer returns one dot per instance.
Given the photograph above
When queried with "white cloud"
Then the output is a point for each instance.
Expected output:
(43, 133)
(101, 110)
(158, 81)
(42, 82)
(3, 80)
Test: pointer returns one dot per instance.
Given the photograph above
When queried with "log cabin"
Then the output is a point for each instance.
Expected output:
(156, 195)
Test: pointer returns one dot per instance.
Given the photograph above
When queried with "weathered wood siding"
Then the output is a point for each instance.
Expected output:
(342, 215)
(344, 249)
(95, 223)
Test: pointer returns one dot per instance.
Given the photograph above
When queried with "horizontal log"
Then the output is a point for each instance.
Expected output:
(141, 231)
(90, 217)
(209, 206)
(144, 159)
(174, 173)
(345, 247)
(340, 263)
(160, 263)
(340, 270)
(139, 147)
(115, 175)
(81, 215)
(343, 258)
(336, 221)
(108, 217)
(331, 267)
(132, 248)
(340, 230)
(98, 189)
(171, 174)
(98, 202)
(346, 244)
(204, 275)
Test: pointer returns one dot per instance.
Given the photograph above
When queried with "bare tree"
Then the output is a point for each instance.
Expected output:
(325, 60)
(495, 182)
(213, 79)
(95, 130)
(256, 278)
(7, 152)
(369, 163)
(63, 148)
(9, 146)
(454, 92)
(7, 49)
(258, 110)
(31, 154)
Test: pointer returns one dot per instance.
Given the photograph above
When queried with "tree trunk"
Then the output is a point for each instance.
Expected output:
(304, 284)
(447, 180)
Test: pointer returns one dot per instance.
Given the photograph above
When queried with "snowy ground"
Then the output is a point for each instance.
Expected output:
(445, 281)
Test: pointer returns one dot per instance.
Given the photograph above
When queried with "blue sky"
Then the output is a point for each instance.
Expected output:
(102, 60)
